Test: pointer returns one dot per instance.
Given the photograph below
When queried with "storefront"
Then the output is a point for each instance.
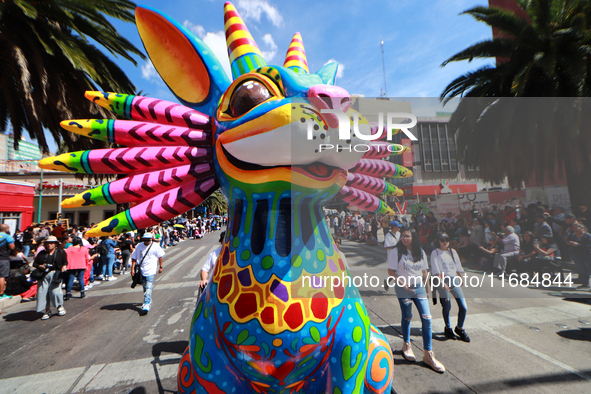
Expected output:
(16, 204)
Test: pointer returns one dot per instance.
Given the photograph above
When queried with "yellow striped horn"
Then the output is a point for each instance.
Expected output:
(295, 58)
(243, 51)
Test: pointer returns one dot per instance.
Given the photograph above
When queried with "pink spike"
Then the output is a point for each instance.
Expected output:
(131, 133)
(134, 160)
(374, 130)
(167, 113)
(381, 169)
(363, 200)
(172, 203)
(366, 183)
(140, 187)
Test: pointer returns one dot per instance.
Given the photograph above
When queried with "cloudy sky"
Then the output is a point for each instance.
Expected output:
(418, 36)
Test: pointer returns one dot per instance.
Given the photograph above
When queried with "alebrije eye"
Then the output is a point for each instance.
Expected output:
(247, 96)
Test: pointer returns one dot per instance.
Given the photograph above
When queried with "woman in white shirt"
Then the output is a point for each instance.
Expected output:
(408, 267)
(446, 264)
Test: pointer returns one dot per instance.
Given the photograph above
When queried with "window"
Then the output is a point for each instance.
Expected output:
(12, 219)
(69, 216)
(438, 147)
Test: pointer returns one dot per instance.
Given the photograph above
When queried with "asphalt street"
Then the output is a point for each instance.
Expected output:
(523, 339)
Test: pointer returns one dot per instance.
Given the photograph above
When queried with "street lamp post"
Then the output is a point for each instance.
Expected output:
(40, 197)
(59, 202)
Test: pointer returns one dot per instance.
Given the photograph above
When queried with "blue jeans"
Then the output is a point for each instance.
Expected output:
(148, 285)
(107, 263)
(72, 274)
(26, 250)
(91, 280)
(446, 304)
(419, 297)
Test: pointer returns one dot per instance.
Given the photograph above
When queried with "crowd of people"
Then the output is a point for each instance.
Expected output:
(531, 239)
(528, 240)
(39, 263)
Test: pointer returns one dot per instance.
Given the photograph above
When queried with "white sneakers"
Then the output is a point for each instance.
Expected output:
(407, 352)
(61, 311)
(430, 360)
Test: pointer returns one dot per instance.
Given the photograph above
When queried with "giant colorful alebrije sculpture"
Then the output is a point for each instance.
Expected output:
(259, 327)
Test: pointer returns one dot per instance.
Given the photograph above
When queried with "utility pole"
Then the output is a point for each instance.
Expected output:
(59, 203)
(40, 197)
(385, 92)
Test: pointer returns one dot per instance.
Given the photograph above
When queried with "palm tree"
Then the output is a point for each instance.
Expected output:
(48, 60)
(545, 54)
(216, 203)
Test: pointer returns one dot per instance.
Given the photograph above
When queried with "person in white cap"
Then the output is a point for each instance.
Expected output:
(148, 255)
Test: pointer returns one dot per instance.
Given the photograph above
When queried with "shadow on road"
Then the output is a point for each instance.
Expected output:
(137, 390)
(123, 307)
(158, 349)
(177, 347)
(582, 334)
(23, 316)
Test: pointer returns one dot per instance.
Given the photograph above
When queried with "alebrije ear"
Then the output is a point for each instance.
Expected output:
(185, 63)
(243, 51)
(328, 73)
(295, 59)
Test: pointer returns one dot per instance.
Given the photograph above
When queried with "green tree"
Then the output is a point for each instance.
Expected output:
(48, 61)
(216, 203)
(545, 54)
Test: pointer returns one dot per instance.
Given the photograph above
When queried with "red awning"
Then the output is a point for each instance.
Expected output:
(430, 190)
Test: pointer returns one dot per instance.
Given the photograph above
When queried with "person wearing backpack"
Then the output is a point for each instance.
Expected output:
(409, 269)
(446, 264)
(106, 249)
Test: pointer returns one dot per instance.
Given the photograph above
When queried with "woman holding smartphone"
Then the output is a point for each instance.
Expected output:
(409, 266)
(446, 264)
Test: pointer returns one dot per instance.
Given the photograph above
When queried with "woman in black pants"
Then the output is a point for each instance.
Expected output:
(126, 247)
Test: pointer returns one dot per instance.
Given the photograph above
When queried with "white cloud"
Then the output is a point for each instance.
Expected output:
(149, 72)
(215, 41)
(270, 54)
(341, 69)
(198, 30)
(252, 9)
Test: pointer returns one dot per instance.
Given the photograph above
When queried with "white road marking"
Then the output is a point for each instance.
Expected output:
(160, 286)
(177, 256)
(97, 377)
(179, 265)
(197, 269)
(152, 337)
(176, 317)
(541, 355)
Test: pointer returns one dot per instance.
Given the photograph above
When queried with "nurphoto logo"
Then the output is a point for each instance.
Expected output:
(345, 126)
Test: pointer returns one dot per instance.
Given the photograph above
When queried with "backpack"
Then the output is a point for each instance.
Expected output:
(101, 249)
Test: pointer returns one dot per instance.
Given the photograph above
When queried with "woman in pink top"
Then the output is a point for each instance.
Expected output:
(78, 258)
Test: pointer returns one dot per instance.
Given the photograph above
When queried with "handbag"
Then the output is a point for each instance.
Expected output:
(138, 278)
(37, 274)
